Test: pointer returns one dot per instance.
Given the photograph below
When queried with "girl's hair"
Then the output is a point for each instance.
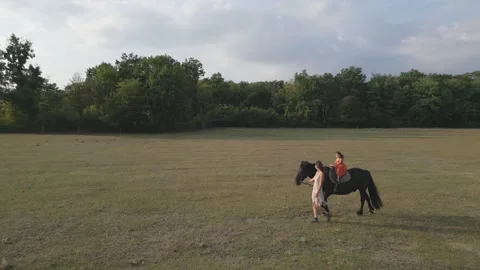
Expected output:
(319, 164)
(340, 154)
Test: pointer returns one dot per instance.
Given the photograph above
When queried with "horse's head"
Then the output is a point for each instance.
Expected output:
(306, 169)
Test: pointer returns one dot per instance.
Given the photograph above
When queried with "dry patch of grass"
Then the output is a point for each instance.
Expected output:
(226, 199)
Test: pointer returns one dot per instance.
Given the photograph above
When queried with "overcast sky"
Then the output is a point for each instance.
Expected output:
(251, 40)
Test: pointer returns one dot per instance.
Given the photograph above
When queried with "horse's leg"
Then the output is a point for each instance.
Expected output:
(369, 202)
(325, 209)
(327, 212)
(363, 192)
(325, 206)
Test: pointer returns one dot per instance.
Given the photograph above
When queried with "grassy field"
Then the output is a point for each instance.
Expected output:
(224, 199)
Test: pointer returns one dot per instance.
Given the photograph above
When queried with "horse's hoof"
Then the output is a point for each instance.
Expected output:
(359, 213)
(371, 212)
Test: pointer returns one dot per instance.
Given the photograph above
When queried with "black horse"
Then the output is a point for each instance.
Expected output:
(360, 179)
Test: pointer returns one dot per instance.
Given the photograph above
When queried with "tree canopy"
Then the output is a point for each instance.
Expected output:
(160, 94)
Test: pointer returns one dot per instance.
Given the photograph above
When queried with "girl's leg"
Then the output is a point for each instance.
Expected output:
(314, 208)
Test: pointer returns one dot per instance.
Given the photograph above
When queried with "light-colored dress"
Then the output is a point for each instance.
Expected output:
(316, 182)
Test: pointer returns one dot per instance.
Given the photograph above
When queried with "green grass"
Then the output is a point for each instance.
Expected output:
(226, 198)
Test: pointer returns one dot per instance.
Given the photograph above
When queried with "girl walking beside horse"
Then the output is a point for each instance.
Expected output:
(317, 194)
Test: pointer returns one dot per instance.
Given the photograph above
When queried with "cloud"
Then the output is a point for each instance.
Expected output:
(448, 48)
(251, 40)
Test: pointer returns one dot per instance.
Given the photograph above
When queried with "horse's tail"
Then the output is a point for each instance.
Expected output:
(373, 192)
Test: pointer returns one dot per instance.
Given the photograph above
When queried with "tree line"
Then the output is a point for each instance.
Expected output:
(162, 94)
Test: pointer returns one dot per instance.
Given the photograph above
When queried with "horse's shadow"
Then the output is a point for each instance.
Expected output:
(425, 223)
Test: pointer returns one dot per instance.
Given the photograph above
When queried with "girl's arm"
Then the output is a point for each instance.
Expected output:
(337, 161)
(313, 179)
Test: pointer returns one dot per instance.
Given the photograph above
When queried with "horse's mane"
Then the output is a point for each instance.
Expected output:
(325, 169)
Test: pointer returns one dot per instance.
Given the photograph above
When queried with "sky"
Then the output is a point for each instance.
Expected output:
(250, 40)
